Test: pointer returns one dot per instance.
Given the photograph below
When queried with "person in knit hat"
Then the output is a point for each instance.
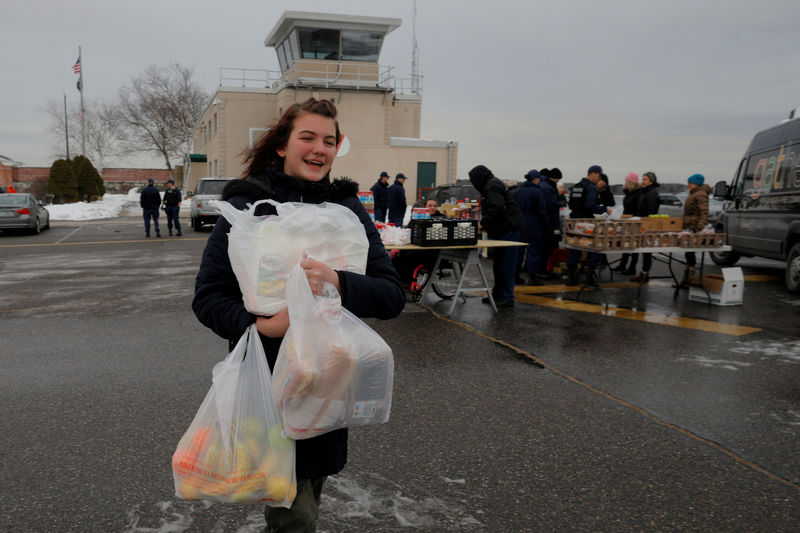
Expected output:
(695, 218)
(627, 264)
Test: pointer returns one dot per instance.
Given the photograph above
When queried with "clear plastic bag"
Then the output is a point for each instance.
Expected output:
(332, 371)
(235, 450)
(263, 249)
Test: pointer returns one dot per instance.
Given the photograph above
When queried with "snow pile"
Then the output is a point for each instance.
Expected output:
(109, 207)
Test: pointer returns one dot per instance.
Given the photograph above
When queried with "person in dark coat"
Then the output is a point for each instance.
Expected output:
(291, 163)
(150, 200)
(554, 203)
(397, 200)
(530, 198)
(502, 220)
(627, 265)
(380, 196)
(584, 202)
(604, 192)
(172, 207)
(648, 204)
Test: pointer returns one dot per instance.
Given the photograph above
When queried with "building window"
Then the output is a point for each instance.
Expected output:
(294, 47)
(215, 123)
(282, 56)
(361, 45)
(216, 167)
(318, 43)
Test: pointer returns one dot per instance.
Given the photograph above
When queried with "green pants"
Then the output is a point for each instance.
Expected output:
(301, 517)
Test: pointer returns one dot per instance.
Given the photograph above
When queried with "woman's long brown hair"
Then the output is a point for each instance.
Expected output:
(264, 152)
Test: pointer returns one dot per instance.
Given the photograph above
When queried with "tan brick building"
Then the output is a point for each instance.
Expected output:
(333, 57)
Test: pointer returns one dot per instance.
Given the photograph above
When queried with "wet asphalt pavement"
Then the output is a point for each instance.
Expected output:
(539, 418)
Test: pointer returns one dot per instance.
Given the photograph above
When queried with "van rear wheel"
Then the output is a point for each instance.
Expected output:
(725, 258)
(793, 269)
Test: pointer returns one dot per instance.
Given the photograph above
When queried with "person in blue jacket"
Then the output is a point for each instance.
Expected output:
(584, 202)
(530, 198)
(150, 201)
(397, 200)
(291, 162)
(380, 196)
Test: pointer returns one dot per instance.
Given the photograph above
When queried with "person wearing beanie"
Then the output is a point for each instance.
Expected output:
(584, 202)
(396, 199)
(380, 196)
(530, 198)
(501, 219)
(695, 218)
(150, 201)
(648, 203)
(627, 264)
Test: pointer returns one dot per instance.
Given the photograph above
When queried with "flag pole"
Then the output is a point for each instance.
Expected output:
(66, 124)
(83, 111)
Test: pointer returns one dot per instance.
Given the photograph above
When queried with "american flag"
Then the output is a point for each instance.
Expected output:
(76, 68)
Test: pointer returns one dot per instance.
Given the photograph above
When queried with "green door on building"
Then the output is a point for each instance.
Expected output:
(426, 177)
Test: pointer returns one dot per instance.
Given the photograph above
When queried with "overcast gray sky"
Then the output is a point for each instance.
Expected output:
(676, 87)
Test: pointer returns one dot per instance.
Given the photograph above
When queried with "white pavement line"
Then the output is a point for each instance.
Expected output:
(70, 234)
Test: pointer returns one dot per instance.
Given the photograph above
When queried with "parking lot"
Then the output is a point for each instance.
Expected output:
(556, 414)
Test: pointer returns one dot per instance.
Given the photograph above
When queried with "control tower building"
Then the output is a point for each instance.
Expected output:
(335, 57)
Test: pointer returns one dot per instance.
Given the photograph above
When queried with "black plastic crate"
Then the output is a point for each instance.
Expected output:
(444, 232)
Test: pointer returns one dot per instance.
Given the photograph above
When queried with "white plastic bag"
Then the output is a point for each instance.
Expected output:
(235, 450)
(262, 249)
(332, 371)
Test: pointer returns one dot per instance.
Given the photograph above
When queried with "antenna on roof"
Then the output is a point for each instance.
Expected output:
(414, 53)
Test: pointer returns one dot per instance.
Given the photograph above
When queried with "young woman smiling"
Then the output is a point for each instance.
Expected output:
(291, 162)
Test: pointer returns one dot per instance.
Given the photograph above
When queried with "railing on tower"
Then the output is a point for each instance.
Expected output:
(327, 74)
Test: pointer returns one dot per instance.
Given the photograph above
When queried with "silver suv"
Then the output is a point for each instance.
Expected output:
(207, 189)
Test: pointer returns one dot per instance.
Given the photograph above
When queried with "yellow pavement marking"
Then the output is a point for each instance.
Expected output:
(642, 316)
(762, 277)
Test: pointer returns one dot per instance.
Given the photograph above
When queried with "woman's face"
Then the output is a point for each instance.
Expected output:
(646, 181)
(311, 148)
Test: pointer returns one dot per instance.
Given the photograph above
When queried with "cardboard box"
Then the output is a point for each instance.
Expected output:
(727, 289)
(671, 224)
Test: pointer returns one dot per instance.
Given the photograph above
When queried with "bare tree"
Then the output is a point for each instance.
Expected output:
(159, 108)
(104, 136)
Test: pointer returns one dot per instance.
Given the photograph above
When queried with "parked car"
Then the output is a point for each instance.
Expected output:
(671, 205)
(23, 211)
(444, 194)
(762, 203)
(207, 189)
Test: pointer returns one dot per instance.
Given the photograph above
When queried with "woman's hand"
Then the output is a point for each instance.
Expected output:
(274, 326)
(319, 273)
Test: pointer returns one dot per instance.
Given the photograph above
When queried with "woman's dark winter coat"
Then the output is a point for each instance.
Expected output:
(631, 201)
(649, 201)
(218, 301)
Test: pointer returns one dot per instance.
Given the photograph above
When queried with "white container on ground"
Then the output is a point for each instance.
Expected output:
(727, 289)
